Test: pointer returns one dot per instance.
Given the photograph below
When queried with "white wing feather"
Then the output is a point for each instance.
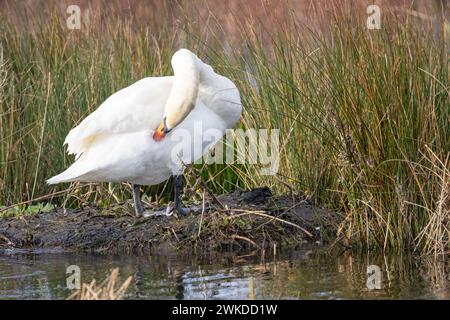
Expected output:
(135, 108)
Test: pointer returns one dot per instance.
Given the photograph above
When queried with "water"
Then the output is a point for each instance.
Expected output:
(307, 273)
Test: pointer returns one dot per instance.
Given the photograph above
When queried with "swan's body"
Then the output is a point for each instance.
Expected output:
(116, 142)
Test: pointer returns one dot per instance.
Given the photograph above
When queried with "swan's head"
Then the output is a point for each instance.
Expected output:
(183, 94)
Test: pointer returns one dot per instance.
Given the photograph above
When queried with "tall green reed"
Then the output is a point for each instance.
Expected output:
(363, 115)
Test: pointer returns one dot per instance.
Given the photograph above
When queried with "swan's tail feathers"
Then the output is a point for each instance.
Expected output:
(71, 174)
(57, 179)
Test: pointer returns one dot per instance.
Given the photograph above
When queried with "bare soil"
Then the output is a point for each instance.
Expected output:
(243, 219)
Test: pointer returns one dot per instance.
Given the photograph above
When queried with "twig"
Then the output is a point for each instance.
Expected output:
(5, 238)
(262, 214)
(175, 234)
(235, 236)
(201, 217)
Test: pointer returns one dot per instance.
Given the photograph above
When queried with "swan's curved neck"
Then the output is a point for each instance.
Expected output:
(183, 95)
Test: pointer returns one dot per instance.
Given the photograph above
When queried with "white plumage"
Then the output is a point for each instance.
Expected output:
(115, 143)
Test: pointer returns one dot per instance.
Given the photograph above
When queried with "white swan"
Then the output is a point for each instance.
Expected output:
(134, 134)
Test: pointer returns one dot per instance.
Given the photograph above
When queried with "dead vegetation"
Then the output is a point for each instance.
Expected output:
(246, 219)
(109, 289)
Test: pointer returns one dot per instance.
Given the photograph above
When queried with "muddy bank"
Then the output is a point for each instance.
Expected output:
(250, 219)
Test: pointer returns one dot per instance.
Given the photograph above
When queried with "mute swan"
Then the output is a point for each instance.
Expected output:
(132, 136)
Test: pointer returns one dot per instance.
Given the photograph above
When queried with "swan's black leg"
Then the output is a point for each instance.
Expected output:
(138, 208)
(177, 190)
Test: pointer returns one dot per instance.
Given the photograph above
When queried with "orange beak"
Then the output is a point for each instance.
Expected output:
(159, 132)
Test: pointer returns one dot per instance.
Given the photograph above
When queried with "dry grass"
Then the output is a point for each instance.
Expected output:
(109, 289)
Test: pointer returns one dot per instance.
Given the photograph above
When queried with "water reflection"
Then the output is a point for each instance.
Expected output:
(306, 273)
